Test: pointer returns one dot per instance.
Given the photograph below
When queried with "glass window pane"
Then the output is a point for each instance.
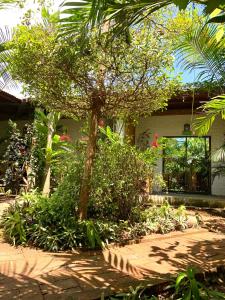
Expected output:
(186, 164)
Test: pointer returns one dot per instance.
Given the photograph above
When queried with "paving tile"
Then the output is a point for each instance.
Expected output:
(9, 295)
(70, 294)
(34, 274)
(32, 297)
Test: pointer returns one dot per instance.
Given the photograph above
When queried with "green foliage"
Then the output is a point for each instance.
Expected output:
(14, 225)
(61, 75)
(119, 177)
(50, 225)
(188, 287)
(199, 48)
(202, 48)
(211, 109)
(186, 161)
(164, 219)
(124, 14)
(38, 150)
(17, 156)
(115, 211)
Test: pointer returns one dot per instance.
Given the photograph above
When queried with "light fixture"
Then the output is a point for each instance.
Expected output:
(187, 127)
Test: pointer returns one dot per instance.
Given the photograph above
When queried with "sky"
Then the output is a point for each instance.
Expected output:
(13, 16)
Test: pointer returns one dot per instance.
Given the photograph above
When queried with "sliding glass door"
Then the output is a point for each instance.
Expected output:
(186, 164)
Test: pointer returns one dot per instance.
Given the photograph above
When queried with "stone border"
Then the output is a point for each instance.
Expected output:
(203, 201)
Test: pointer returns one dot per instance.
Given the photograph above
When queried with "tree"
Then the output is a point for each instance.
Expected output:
(95, 81)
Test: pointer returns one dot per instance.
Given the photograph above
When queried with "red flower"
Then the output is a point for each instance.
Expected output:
(65, 138)
(155, 141)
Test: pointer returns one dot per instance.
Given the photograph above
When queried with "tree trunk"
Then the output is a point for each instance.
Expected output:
(88, 166)
(47, 170)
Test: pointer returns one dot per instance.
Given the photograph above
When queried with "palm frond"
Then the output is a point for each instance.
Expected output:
(7, 3)
(219, 155)
(199, 49)
(211, 110)
(94, 13)
(120, 13)
(6, 81)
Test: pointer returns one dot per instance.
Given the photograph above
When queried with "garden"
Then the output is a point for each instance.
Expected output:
(101, 64)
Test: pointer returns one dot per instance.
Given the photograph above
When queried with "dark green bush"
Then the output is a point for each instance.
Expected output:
(42, 222)
(118, 179)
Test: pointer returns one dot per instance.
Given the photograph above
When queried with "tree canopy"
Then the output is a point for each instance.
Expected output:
(123, 79)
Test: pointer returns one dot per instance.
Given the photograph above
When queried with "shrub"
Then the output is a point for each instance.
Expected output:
(42, 222)
(17, 156)
(119, 178)
(186, 287)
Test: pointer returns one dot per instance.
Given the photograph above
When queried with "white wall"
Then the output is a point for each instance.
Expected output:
(172, 125)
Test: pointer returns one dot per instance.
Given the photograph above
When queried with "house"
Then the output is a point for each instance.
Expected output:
(189, 168)
(186, 165)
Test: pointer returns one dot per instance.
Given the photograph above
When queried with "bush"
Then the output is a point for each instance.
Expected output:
(186, 286)
(42, 222)
(118, 179)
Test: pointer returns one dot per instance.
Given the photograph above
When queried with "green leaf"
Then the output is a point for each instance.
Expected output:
(218, 19)
(212, 5)
(56, 138)
(182, 4)
(215, 13)
(220, 33)
(179, 279)
(216, 295)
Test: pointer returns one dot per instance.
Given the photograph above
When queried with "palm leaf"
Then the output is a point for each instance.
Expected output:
(211, 109)
(219, 155)
(123, 13)
(6, 81)
(199, 49)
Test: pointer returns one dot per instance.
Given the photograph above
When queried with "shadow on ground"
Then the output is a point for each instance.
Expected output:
(33, 274)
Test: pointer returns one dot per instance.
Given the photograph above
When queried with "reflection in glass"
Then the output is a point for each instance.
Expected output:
(186, 164)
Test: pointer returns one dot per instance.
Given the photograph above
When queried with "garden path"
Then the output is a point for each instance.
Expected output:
(27, 273)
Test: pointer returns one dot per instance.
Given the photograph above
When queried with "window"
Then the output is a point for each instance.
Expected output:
(186, 164)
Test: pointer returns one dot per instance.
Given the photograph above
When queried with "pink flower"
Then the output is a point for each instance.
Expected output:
(65, 138)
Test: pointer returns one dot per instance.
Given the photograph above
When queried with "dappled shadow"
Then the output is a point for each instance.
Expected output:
(178, 255)
(67, 275)
(215, 225)
(29, 273)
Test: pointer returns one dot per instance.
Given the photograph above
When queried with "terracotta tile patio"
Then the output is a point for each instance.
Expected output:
(33, 274)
